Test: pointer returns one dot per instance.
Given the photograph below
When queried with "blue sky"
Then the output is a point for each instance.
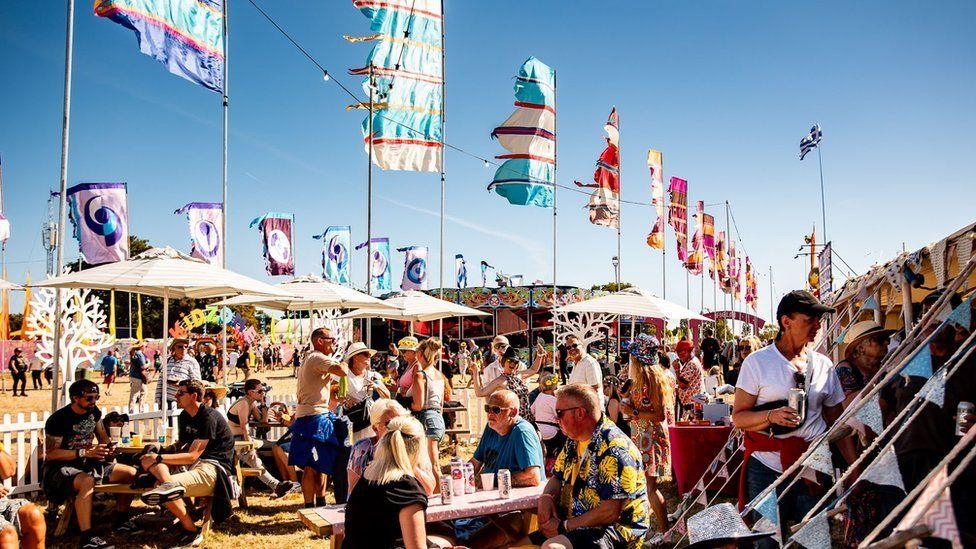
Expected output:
(724, 89)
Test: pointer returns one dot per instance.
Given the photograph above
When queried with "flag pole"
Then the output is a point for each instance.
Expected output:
(555, 164)
(664, 240)
(620, 208)
(440, 324)
(771, 314)
(728, 246)
(369, 203)
(65, 132)
(223, 184)
(823, 199)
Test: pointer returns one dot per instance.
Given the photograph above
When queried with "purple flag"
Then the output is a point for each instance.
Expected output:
(276, 230)
(206, 240)
(100, 216)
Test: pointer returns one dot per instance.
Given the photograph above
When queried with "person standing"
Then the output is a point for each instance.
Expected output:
(586, 369)
(110, 367)
(180, 367)
(208, 364)
(427, 401)
(36, 369)
(691, 376)
(139, 376)
(18, 371)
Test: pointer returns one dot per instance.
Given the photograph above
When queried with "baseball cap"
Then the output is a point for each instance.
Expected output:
(801, 301)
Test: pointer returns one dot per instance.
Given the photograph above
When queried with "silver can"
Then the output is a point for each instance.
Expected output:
(457, 477)
(468, 470)
(963, 409)
(504, 484)
(447, 490)
(797, 400)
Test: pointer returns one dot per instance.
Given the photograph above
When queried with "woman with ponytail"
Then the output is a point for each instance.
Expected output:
(428, 397)
(387, 508)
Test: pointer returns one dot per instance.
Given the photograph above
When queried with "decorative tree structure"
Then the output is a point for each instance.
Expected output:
(341, 328)
(588, 327)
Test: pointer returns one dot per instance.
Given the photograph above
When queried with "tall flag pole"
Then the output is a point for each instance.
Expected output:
(808, 143)
(440, 262)
(224, 211)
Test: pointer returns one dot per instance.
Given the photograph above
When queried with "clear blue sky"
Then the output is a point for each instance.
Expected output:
(725, 89)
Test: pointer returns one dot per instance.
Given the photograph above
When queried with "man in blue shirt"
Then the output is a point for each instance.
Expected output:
(139, 377)
(110, 366)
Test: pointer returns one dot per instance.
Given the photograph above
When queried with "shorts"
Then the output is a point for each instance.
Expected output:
(590, 536)
(8, 513)
(433, 422)
(58, 481)
(199, 480)
(108, 379)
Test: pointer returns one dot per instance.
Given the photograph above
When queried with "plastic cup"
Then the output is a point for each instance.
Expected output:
(487, 481)
(137, 440)
(114, 433)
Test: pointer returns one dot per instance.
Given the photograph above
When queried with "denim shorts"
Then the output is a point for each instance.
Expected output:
(433, 422)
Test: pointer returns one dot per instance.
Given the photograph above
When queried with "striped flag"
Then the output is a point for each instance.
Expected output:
(810, 141)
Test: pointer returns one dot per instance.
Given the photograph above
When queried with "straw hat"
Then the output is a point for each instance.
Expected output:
(719, 525)
(861, 331)
(357, 348)
(218, 389)
(408, 343)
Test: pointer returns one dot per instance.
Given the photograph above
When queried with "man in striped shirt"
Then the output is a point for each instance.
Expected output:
(179, 367)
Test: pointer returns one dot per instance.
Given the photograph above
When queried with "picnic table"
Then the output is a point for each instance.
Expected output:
(329, 520)
(239, 446)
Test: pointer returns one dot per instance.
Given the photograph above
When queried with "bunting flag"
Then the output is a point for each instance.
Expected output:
(206, 220)
(279, 251)
(820, 460)
(962, 315)
(920, 365)
(815, 534)
(604, 204)
(336, 241)
(185, 35)
(528, 175)
(655, 163)
(408, 76)
(870, 414)
(460, 272)
(678, 214)
(939, 516)
(768, 508)
(414, 268)
(484, 273)
(99, 213)
(380, 272)
(884, 470)
(934, 389)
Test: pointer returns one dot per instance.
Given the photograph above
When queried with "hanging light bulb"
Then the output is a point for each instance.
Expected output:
(325, 75)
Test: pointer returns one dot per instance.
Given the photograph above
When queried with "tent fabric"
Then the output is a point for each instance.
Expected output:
(633, 302)
(416, 306)
(309, 292)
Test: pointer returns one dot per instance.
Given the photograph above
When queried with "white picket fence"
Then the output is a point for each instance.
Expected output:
(23, 437)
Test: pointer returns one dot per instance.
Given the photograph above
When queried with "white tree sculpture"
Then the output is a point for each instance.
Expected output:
(341, 328)
(588, 327)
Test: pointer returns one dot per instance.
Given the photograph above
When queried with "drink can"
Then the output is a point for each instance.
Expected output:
(447, 490)
(963, 409)
(504, 484)
(797, 400)
(457, 477)
(468, 470)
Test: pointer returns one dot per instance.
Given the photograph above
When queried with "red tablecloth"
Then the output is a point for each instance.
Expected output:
(692, 450)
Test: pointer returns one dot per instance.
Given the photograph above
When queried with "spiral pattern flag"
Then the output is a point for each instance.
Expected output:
(655, 163)
(279, 248)
(604, 204)
(528, 175)
(336, 253)
(380, 272)
(408, 75)
(460, 271)
(206, 238)
(678, 215)
(414, 268)
(99, 213)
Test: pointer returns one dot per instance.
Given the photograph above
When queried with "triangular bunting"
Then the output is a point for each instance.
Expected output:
(964, 249)
(962, 315)
(768, 508)
(702, 499)
(884, 470)
(680, 527)
(920, 365)
(722, 472)
(871, 303)
(940, 516)
(937, 255)
(819, 460)
(815, 534)
(934, 389)
(870, 414)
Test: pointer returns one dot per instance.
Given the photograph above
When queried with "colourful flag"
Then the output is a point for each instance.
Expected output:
(655, 163)
(604, 204)
(276, 234)
(752, 295)
(460, 271)
(678, 214)
(708, 235)
(5, 312)
(26, 314)
(185, 35)
(528, 175)
(206, 222)
(408, 74)
(99, 213)
(484, 273)
(336, 241)
(414, 268)
(696, 255)
(380, 277)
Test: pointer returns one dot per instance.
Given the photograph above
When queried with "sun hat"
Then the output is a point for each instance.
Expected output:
(644, 349)
(408, 343)
(509, 354)
(220, 391)
(355, 349)
(861, 331)
(500, 341)
(684, 345)
(719, 525)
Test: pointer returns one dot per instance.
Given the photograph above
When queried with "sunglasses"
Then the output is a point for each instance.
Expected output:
(559, 413)
(799, 379)
(491, 409)
(259, 391)
(91, 397)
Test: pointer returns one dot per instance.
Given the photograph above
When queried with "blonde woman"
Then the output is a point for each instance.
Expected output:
(650, 396)
(381, 413)
(428, 397)
(387, 508)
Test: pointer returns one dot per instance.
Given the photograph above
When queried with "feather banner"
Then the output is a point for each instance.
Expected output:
(604, 204)
(678, 214)
(276, 235)
(655, 163)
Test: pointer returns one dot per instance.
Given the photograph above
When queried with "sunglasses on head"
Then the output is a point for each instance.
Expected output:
(492, 409)
(559, 413)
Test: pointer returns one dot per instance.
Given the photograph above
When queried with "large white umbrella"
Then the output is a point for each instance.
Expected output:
(633, 302)
(4, 286)
(165, 273)
(310, 292)
(415, 306)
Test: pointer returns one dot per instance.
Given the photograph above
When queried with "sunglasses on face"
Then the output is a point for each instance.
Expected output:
(259, 391)
(93, 397)
(559, 413)
(491, 409)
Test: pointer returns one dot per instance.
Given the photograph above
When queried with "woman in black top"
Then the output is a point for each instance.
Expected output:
(387, 508)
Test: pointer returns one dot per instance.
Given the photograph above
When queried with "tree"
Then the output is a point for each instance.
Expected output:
(611, 287)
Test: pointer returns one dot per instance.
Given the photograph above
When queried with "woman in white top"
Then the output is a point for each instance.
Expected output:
(428, 397)
(239, 415)
(360, 382)
(544, 411)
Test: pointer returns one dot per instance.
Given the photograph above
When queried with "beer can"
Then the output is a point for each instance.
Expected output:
(504, 484)
(457, 477)
(797, 400)
(468, 470)
(343, 389)
(963, 409)
(447, 490)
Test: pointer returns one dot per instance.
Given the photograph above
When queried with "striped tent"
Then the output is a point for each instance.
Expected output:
(415, 306)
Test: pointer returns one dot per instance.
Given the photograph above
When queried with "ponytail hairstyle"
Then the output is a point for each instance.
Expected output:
(396, 451)
(429, 348)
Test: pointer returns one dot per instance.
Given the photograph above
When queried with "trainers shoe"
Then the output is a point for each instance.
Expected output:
(284, 487)
(95, 542)
(143, 481)
(164, 493)
(187, 538)
(128, 527)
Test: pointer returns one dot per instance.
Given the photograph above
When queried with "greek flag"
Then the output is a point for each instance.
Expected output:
(811, 140)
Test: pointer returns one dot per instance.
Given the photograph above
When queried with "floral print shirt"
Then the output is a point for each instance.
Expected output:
(692, 377)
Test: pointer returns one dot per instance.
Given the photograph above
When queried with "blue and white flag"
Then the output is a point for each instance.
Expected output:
(516, 280)
(811, 140)
(414, 268)
(460, 272)
(99, 212)
(206, 240)
(380, 277)
(484, 273)
(336, 241)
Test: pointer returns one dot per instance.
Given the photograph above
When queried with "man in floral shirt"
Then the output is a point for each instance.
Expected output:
(597, 496)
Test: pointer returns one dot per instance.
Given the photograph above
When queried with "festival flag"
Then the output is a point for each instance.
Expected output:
(380, 273)
(528, 175)
(484, 273)
(26, 313)
(695, 262)
(678, 214)
(99, 213)
(810, 141)
(336, 241)
(185, 35)
(460, 271)
(752, 292)
(604, 204)
(813, 277)
(276, 235)
(5, 311)
(206, 221)
(111, 314)
(414, 268)
(655, 163)
(708, 236)
(139, 316)
(408, 75)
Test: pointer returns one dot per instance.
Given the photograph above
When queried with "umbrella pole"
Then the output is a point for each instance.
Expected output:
(165, 363)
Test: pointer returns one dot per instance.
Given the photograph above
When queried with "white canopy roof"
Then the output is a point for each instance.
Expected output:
(633, 302)
(4, 285)
(417, 306)
(310, 292)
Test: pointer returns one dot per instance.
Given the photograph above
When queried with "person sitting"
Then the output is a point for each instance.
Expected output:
(513, 380)
(380, 414)
(205, 446)
(21, 522)
(387, 507)
(866, 346)
(241, 413)
(597, 494)
(76, 459)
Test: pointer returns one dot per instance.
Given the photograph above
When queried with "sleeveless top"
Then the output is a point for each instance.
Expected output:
(435, 392)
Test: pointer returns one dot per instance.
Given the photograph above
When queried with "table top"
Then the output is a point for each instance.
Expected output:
(239, 445)
(330, 519)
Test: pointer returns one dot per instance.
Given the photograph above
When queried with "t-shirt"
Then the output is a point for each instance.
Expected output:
(137, 362)
(516, 451)
(208, 425)
(208, 367)
(17, 364)
(710, 350)
(36, 364)
(109, 364)
(587, 371)
(769, 376)
(544, 410)
(373, 511)
(361, 387)
(491, 371)
(232, 357)
(176, 371)
(75, 431)
(313, 383)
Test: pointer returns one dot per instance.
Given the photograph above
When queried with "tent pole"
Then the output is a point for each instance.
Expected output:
(555, 165)
(164, 405)
(369, 199)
